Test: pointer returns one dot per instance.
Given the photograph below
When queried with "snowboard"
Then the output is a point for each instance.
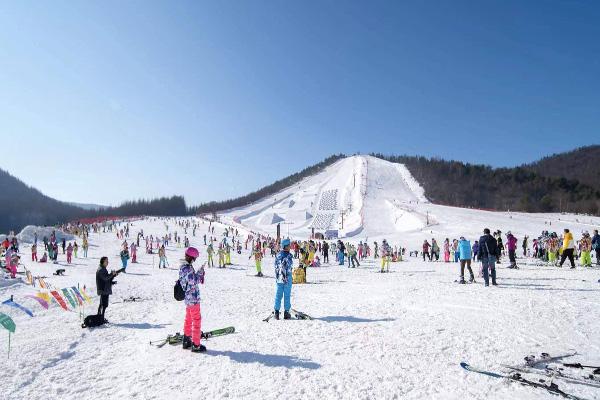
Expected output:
(177, 338)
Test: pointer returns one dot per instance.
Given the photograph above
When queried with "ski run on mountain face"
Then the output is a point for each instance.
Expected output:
(353, 333)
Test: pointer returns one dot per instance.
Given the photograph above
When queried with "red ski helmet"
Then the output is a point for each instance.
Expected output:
(192, 252)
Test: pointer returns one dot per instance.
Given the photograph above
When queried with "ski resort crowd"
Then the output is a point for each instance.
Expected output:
(291, 259)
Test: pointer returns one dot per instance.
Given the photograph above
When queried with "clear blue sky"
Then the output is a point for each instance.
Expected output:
(103, 101)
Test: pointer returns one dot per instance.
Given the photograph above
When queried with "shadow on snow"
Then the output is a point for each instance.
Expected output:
(268, 360)
(348, 318)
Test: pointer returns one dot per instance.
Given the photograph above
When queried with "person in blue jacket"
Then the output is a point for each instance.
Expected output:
(475, 249)
(283, 276)
(464, 255)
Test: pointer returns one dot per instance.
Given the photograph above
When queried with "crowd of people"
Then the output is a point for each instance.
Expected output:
(292, 259)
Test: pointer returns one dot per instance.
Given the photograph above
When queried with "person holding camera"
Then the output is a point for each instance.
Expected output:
(104, 282)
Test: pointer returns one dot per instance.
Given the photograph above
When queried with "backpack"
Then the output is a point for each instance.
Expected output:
(178, 291)
(92, 321)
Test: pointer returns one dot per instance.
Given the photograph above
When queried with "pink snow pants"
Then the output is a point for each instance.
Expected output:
(192, 324)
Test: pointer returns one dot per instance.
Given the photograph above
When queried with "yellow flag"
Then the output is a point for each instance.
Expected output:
(45, 296)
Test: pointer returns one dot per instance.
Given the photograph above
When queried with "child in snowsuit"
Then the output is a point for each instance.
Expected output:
(124, 257)
(34, 253)
(133, 249)
(189, 280)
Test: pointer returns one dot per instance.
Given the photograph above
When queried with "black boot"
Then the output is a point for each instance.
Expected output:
(462, 280)
(287, 315)
(186, 342)
(276, 314)
(198, 349)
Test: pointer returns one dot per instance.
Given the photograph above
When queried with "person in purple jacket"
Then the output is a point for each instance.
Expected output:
(189, 280)
(511, 245)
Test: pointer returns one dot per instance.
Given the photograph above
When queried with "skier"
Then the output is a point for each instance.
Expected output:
(426, 247)
(75, 249)
(524, 246)
(189, 280)
(435, 250)
(475, 249)
(162, 258)
(124, 257)
(488, 252)
(325, 250)
(568, 248)
(257, 258)
(464, 254)
(352, 257)
(69, 253)
(133, 249)
(511, 245)
(104, 282)
(34, 253)
(85, 245)
(340, 252)
(447, 250)
(586, 248)
(283, 277)
(386, 255)
(596, 246)
(210, 252)
(221, 254)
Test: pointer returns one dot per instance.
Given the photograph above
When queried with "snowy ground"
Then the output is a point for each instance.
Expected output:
(375, 336)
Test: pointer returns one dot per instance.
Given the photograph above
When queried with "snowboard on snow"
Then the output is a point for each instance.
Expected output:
(178, 337)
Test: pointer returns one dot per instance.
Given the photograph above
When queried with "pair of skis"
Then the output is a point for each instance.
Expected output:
(297, 314)
(178, 337)
(531, 362)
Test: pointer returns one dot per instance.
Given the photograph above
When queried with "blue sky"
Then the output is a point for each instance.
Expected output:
(113, 100)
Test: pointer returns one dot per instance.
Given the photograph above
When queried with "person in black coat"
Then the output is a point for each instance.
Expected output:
(488, 252)
(104, 282)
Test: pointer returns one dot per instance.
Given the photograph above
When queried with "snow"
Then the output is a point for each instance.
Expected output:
(374, 336)
(396, 335)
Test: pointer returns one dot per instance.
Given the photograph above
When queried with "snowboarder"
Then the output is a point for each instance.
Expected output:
(283, 278)
(189, 280)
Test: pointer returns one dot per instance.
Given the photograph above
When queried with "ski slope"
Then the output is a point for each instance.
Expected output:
(358, 195)
(382, 200)
(374, 336)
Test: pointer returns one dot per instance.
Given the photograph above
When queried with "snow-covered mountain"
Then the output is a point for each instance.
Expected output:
(375, 199)
(355, 194)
